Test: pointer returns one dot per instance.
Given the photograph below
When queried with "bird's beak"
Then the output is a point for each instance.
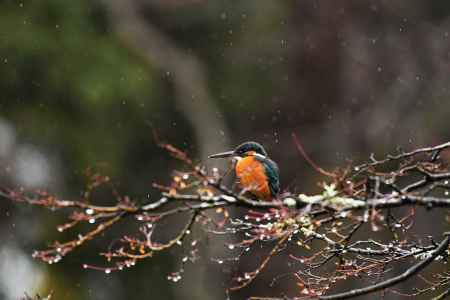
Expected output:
(222, 154)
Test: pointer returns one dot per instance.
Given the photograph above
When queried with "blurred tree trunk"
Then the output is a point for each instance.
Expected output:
(187, 72)
(192, 97)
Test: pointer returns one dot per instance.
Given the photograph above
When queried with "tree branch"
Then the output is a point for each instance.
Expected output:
(443, 246)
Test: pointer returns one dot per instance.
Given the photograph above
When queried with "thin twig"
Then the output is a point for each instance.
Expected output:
(443, 246)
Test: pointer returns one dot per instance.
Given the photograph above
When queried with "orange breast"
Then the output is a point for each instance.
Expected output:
(252, 177)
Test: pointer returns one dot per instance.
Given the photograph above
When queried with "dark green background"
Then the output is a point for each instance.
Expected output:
(84, 84)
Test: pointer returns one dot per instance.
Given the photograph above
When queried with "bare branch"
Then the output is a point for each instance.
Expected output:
(327, 238)
(443, 246)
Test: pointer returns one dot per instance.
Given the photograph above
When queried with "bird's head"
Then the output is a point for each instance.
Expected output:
(244, 149)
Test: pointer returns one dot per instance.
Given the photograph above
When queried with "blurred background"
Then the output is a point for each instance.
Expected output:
(84, 84)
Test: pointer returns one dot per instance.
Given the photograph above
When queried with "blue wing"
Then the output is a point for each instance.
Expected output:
(273, 175)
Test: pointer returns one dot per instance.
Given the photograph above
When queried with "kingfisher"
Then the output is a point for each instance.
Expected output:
(257, 173)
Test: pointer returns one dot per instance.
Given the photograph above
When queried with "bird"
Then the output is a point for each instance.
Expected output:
(257, 173)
